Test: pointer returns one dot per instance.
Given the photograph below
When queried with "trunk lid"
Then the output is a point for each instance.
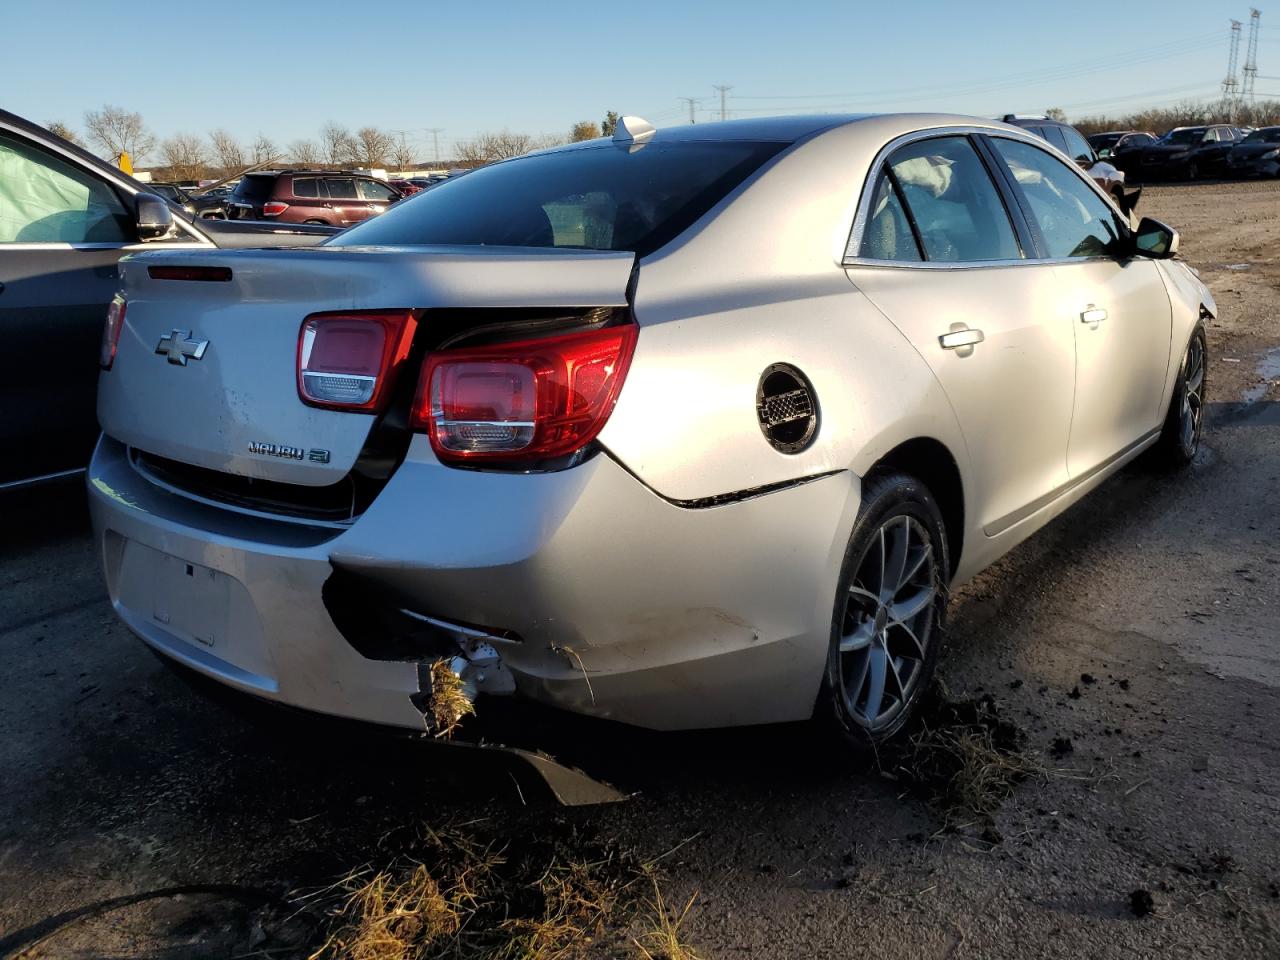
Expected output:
(236, 408)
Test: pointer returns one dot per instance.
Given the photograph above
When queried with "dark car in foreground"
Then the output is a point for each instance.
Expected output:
(1115, 142)
(1184, 153)
(332, 197)
(1072, 142)
(66, 218)
(1257, 155)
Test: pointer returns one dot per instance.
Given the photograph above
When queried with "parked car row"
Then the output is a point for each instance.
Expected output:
(335, 198)
(1192, 153)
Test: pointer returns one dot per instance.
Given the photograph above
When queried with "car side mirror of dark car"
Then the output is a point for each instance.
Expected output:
(152, 216)
(1155, 240)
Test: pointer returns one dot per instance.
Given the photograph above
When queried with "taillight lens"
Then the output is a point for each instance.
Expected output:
(111, 332)
(525, 401)
(348, 361)
(273, 208)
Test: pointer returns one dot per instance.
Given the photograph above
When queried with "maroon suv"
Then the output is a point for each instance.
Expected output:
(336, 198)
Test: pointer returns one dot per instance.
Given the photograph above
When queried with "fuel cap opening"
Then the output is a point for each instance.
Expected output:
(787, 408)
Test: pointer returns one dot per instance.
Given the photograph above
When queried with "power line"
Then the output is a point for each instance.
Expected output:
(691, 101)
(724, 114)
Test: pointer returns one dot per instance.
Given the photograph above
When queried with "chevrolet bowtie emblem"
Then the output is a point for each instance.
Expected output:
(178, 346)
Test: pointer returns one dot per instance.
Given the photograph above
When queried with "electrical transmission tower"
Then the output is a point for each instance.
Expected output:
(724, 113)
(435, 141)
(692, 102)
(1230, 83)
(1251, 59)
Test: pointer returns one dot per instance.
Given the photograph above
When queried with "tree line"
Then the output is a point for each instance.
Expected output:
(114, 130)
(1189, 113)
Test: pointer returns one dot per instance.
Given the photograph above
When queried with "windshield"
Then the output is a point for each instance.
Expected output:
(1265, 135)
(1189, 135)
(595, 198)
(1103, 140)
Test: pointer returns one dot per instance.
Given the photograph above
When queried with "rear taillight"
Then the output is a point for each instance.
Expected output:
(348, 361)
(111, 332)
(273, 208)
(526, 401)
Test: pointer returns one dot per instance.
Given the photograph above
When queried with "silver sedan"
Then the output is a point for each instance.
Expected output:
(684, 428)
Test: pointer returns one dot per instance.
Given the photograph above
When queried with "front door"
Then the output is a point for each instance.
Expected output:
(1117, 304)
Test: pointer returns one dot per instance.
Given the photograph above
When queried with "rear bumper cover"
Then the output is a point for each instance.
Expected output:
(620, 604)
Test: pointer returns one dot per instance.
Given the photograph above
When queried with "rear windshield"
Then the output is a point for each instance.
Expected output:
(1104, 140)
(594, 198)
(255, 187)
(1190, 135)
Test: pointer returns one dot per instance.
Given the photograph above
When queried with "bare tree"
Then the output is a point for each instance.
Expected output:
(403, 154)
(65, 132)
(305, 153)
(264, 149)
(584, 130)
(1056, 113)
(118, 131)
(372, 147)
(336, 142)
(227, 150)
(488, 147)
(610, 121)
(186, 156)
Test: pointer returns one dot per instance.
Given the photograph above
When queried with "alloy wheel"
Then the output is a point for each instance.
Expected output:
(887, 623)
(1192, 394)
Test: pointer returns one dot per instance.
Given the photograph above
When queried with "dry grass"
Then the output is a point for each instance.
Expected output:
(965, 758)
(455, 894)
(449, 702)
(662, 939)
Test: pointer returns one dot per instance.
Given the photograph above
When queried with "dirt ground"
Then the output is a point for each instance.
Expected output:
(1134, 642)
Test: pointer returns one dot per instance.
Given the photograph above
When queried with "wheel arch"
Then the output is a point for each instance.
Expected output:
(932, 463)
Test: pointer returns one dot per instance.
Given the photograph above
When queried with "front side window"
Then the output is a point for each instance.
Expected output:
(44, 199)
(1073, 219)
(955, 208)
(1078, 148)
(373, 190)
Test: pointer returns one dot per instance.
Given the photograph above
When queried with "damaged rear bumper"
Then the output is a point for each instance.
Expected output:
(597, 595)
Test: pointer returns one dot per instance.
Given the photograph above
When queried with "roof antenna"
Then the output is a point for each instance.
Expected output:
(633, 131)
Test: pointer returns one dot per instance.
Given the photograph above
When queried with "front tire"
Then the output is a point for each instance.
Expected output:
(1184, 423)
(887, 623)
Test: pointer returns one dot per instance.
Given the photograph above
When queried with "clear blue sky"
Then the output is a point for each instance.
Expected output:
(537, 67)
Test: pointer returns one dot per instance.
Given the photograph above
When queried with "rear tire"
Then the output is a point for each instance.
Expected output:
(1184, 423)
(887, 623)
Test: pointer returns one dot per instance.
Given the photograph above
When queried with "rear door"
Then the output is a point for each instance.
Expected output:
(942, 256)
(62, 229)
(1118, 305)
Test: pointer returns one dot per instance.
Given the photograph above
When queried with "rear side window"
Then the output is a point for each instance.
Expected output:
(888, 235)
(949, 196)
(256, 188)
(44, 199)
(306, 187)
(341, 188)
(599, 197)
(1073, 219)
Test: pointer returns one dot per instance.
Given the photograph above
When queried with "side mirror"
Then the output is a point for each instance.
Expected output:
(152, 216)
(1155, 240)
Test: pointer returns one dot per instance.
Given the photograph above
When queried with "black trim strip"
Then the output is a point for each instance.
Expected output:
(720, 499)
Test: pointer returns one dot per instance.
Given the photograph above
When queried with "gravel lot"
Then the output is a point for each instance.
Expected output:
(1140, 627)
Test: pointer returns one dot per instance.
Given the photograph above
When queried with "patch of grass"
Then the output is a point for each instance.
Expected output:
(662, 940)
(964, 757)
(463, 893)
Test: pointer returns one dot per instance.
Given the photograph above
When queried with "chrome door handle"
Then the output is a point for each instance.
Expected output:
(965, 337)
(1093, 315)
